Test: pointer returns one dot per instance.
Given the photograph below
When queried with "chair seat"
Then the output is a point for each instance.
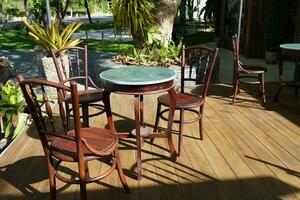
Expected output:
(102, 140)
(254, 69)
(87, 96)
(183, 100)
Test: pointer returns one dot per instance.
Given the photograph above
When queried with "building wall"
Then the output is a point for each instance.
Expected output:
(253, 35)
(296, 17)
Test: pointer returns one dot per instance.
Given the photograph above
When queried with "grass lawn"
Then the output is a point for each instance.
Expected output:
(19, 39)
(15, 39)
(109, 46)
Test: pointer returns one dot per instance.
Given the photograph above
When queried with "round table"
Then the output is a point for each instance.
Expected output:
(139, 81)
(290, 50)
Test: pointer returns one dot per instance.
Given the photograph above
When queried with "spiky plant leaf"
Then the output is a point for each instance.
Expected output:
(52, 37)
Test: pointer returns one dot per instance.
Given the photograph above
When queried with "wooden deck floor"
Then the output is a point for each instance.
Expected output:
(249, 151)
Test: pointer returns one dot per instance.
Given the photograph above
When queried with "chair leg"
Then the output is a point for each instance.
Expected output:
(201, 122)
(83, 195)
(68, 115)
(87, 169)
(181, 126)
(120, 171)
(262, 77)
(156, 120)
(51, 180)
(85, 115)
(235, 89)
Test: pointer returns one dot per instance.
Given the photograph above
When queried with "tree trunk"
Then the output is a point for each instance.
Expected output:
(1, 2)
(88, 11)
(66, 8)
(26, 9)
(166, 12)
(190, 9)
(183, 13)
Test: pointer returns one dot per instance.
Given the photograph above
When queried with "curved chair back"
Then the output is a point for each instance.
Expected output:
(236, 55)
(41, 103)
(199, 58)
(71, 63)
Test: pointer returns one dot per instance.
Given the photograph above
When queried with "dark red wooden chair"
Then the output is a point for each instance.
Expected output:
(80, 145)
(247, 74)
(76, 69)
(199, 58)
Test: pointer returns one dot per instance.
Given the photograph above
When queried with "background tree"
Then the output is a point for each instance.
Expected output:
(86, 5)
(182, 15)
(134, 15)
(166, 11)
(26, 9)
(142, 15)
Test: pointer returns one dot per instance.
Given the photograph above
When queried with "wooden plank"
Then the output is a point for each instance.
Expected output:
(262, 150)
(232, 135)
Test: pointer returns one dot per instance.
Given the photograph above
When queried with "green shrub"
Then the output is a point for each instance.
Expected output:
(154, 54)
(12, 103)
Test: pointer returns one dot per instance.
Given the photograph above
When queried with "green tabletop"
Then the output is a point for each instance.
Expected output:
(291, 46)
(137, 75)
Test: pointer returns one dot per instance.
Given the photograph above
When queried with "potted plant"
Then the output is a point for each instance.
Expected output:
(12, 116)
(53, 38)
(275, 28)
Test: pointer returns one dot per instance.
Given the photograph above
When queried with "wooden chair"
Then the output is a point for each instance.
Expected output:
(80, 145)
(75, 68)
(201, 59)
(246, 74)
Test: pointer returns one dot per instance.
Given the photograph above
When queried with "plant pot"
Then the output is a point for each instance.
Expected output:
(50, 69)
(271, 57)
(5, 68)
(6, 142)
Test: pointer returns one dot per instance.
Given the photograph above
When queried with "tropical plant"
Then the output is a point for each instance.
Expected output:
(152, 55)
(12, 103)
(52, 37)
(133, 15)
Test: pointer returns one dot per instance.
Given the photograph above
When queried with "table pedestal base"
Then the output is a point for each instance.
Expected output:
(139, 121)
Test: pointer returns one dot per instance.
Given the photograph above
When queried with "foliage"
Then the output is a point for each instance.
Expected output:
(14, 8)
(211, 11)
(133, 14)
(275, 30)
(12, 103)
(152, 55)
(52, 37)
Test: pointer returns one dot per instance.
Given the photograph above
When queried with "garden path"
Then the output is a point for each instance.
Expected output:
(24, 62)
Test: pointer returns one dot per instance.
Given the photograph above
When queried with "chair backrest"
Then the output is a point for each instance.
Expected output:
(236, 54)
(203, 59)
(39, 97)
(71, 63)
